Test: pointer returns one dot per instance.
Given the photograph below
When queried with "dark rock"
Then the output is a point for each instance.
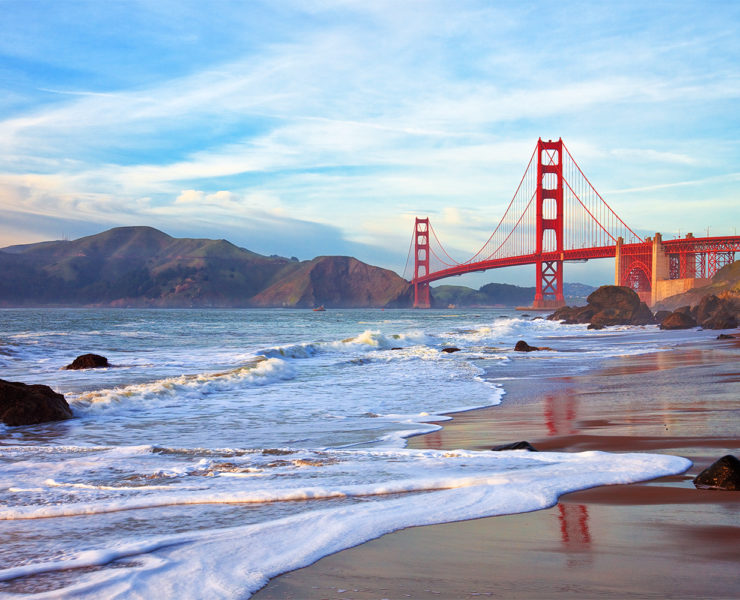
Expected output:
(708, 306)
(722, 319)
(724, 336)
(396, 348)
(572, 314)
(610, 316)
(713, 312)
(662, 314)
(522, 346)
(686, 310)
(515, 446)
(88, 361)
(643, 316)
(678, 320)
(608, 305)
(450, 349)
(596, 326)
(617, 297)
(723, 474)
(22, 404)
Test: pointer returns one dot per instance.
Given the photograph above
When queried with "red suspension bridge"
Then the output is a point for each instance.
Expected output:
(555, 216)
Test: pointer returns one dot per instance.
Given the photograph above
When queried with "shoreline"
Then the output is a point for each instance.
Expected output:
(659, 538)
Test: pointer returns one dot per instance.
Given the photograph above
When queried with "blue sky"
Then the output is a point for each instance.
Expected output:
(306, 128)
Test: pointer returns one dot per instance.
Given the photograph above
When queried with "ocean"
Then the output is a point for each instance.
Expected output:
(224, 447)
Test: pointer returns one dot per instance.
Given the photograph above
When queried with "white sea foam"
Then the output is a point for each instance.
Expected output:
(210, 563)
(258, 372)
(300, 420)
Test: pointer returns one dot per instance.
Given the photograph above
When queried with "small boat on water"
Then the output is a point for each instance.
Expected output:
(319, 309)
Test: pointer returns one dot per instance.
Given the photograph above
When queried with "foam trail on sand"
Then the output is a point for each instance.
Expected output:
(209, 563)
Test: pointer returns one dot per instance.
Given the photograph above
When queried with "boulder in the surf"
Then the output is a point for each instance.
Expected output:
(88, 361)
(714, 312)
(608, 305)
(678, 320)
(724, 336)
(522, 346)
(661, 315)
(523, 445)
(723, 474)
(22, 404)
(722, 319)
(450, 349)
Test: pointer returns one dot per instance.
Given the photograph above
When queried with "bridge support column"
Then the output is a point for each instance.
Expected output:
(549, 285)
(661, 268)
(421, 263)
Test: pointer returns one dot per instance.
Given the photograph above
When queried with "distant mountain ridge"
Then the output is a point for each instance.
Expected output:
(498, 294)
(144, 267)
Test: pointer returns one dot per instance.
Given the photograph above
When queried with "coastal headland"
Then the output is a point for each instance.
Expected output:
(657, 539)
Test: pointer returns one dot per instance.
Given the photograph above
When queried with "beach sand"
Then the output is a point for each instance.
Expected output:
(658, 539)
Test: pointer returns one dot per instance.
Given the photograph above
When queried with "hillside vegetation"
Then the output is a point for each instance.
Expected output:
(724, 284)
(144, 267)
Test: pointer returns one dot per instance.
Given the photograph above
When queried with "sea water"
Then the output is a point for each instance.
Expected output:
(223, 447)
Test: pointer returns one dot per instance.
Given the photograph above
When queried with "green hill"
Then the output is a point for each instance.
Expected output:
(144, 267)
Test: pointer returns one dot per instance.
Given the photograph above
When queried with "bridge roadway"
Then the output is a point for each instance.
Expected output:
(577, 254)
(677, 246)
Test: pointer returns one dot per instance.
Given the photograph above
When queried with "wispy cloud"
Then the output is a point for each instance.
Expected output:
(349, 117)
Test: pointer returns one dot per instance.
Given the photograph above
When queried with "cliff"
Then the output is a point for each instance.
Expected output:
(724, 284)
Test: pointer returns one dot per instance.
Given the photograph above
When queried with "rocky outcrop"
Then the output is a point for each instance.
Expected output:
(88, 361)
(608, 305)
(661, 315)
(523, 445)
(723, 474)
(724, 284)
(678, 320)
(712, 312)
(22, 404)
(522, 346)
(450, 349)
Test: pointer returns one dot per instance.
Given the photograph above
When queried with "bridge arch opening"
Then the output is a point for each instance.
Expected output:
(638, 278)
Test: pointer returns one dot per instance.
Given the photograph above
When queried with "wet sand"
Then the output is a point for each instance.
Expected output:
(657, 539)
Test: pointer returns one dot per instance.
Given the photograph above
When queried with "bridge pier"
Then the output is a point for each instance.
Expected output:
(549, 224)
(421, 263)
(655, 273)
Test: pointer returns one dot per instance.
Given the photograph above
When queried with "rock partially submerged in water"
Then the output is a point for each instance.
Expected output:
(723, 474)
(608, 305)
(450, 349)
(661, 315)
(678, 320)
(715, 312)
(88, 361)
(724, 336)
(523, 445)
(22, 404)
(522, 346)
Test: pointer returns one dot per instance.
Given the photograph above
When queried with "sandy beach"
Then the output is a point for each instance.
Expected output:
(657, 539)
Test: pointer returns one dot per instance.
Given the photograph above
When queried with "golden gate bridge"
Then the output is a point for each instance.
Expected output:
(556, 216)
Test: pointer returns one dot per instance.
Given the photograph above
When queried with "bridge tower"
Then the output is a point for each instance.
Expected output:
(421, 262)
(549, 222)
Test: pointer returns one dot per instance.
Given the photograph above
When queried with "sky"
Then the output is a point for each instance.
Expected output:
(305, 128)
